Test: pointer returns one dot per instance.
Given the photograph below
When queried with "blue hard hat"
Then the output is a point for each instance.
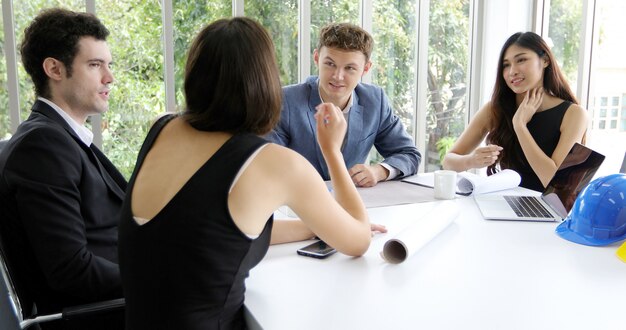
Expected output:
(598, 216)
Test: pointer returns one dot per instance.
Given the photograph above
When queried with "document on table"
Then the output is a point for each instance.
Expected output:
(469, 183)
(389, 193)
(385, 193)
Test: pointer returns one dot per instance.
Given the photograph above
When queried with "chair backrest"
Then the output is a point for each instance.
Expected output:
(3, 144)
(13, 289)
(10, 308)
(17, 309)
(623, 169)
(12, 314)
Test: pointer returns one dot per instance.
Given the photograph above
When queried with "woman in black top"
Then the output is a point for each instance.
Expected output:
(198, 211)
(531, 122)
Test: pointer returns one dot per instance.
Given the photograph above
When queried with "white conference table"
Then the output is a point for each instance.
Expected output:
(476, 274)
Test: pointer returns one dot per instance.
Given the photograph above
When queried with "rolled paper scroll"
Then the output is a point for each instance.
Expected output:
(418, 234)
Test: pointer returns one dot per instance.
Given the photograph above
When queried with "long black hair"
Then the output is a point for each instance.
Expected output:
(503, 98)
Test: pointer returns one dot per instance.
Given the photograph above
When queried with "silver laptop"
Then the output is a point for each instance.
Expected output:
(557, 199)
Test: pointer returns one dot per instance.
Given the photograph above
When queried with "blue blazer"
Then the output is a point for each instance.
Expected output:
(371, 123)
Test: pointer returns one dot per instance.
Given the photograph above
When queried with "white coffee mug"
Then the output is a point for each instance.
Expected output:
(445, 184)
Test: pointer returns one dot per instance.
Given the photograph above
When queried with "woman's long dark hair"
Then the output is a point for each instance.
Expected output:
(232, 82)
(503, 98)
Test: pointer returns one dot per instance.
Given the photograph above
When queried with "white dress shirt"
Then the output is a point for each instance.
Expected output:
(84, 134)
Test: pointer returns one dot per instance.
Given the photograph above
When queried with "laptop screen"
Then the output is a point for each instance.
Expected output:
(573, 175)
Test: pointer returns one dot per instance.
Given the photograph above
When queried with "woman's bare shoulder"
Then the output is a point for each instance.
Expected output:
(484, 117)
(282, 161)
(575, 112)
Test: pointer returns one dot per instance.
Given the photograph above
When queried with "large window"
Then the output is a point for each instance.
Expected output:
(324, 12)
(577, 36)
(447, 81)
(395, 37)
(189, 17)
(608, 85)
(24, 12)
(5, 128)
(564, 28)
(408, 34)
(280, 17)
(137, 95)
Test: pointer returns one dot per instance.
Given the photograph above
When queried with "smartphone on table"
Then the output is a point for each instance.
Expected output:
(318, 250)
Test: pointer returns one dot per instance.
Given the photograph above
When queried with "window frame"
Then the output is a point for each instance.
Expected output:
(479, 67)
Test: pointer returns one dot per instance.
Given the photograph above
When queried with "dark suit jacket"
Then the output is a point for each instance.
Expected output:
(371, 123)
(59, 214)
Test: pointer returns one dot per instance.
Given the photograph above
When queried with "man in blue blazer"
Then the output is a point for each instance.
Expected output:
(342, 58)
(60, 196)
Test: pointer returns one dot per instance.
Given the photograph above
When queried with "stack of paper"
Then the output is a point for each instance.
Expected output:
(470, 183)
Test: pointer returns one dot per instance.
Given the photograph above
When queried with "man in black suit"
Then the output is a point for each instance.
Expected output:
(60, 196)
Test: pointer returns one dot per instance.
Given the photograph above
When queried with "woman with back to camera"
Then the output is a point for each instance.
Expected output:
(531, 122)
(198, 211)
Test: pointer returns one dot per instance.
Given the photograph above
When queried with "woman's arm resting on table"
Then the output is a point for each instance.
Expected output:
(287, 231)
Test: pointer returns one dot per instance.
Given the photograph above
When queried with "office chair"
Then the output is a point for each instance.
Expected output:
(3, 144)
(10, 305)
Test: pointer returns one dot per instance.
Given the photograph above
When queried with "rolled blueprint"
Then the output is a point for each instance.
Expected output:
(414, 237)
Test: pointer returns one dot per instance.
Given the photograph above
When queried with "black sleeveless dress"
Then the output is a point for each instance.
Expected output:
(545, 128)
(185, 268)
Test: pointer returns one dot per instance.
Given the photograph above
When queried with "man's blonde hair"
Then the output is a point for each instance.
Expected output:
(346, 36)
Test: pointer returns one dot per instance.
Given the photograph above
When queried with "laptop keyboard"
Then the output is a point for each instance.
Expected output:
(525, 206)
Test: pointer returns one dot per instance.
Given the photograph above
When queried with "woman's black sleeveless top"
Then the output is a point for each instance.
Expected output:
(185, 268)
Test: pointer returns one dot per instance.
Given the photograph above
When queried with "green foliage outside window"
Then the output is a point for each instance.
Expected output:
(395, 33)
(138, 92)
(448, 53)
(327, 11)
(5, 128)
(190, 16)
(138, 95)
(444, 145)
(564, 30)
(24, 12)
(280, 18)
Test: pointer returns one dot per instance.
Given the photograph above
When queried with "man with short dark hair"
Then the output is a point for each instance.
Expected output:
(343, 57)
(60, 195)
